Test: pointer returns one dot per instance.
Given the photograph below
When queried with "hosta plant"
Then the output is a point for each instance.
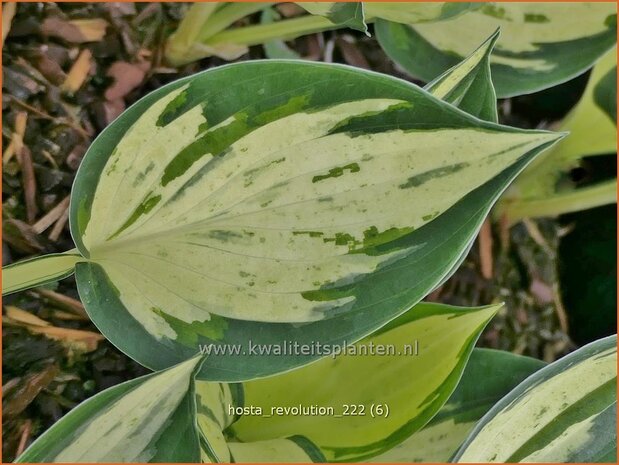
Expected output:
(274, 201)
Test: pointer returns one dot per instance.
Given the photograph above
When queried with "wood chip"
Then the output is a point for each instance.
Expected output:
(351, 53)
(52, 216)
(25, 436)
(63, 301)
(127, 76)
(29, 184)
(18, 315)
(8, 12)
(485, 249)
(86, 341)
(17, 138)
(79, 72)
(59, 226)
(76, 31)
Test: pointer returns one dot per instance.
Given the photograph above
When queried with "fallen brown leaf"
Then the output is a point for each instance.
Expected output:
(22, 237)
(26, 391)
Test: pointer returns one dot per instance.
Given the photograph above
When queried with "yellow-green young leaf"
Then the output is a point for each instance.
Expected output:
(416, 12)
(543, 190)
(566, 412)
(148, 419)
(348, 14)
(468, 85)
(489, 375)
(374, 396)
(295, 449)
(541, 44)
(254, 197)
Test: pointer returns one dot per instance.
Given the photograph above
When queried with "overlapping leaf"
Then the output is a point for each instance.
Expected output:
(566, 412)
(544, 188)
(170, 417)
(541, 44)
(148, 419)
(410, 384)
(489, 375)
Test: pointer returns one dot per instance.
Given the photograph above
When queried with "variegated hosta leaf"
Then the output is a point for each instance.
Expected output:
(416, 12)
(489, 375)
(148, 419)
(348, 14)
(468, 85)
(541, 44)
(279, 192)
(543, 188)
(430, 347)
(566, 412)
(591, 124)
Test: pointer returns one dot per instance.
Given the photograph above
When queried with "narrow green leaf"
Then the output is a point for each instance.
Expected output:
(489, 375)
(143, 420)
(405, 383)
(38, 271)
(541, 44)
(566, 412)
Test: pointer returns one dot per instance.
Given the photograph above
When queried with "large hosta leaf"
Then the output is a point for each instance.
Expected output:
(265, 202)
(148, 419)
(566, 412)
(489, 375)
(541, 44)
(410, 384)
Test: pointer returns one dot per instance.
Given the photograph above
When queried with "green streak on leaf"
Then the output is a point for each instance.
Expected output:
(535, 18)
(418, 180)
(187, 333)
(172, 110)
(337, 172)
(494, 11)
(294, 105)
(146, 206)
